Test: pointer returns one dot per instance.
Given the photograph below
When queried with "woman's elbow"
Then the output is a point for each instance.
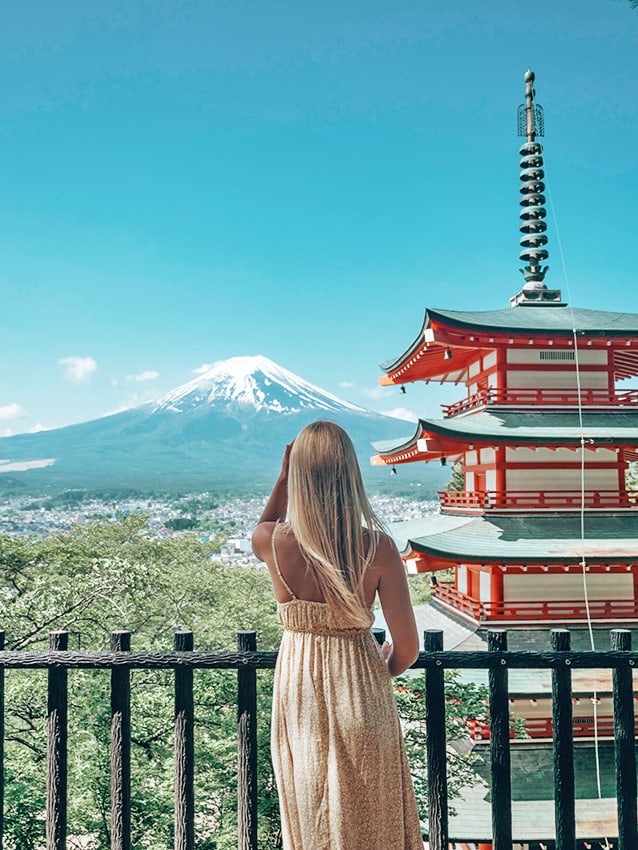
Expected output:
(403, 658)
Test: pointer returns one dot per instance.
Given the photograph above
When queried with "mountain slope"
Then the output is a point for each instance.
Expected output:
(227, 427)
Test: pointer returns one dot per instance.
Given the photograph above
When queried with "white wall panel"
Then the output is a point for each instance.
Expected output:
(485, 586)
(526, 587)
(555, 380)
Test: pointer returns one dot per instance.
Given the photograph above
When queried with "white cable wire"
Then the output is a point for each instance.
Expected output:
(583, 562)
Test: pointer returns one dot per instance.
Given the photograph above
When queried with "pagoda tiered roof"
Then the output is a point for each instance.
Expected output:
(438, 351)
(534, 539)
(436, 437)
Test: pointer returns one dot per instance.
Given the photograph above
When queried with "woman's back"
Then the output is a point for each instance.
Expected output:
(335, 728)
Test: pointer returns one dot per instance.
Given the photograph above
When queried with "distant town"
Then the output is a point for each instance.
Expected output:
(200, 514)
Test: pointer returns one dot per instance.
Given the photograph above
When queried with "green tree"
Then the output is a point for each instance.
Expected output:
(104, 577)
(457, 478)
(99, 578)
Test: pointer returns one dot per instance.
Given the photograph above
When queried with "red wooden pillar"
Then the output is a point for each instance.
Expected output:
(496, 585)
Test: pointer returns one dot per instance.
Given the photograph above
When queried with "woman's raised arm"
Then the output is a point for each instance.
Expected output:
(275, 510)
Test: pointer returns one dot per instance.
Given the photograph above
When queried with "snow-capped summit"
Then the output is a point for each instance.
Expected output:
(227, 428)
(251, 385)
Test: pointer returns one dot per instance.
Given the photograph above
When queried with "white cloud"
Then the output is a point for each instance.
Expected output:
(346, 385)
(148, 375)
(205, 367)
(10, 411)
(376, 392)
(402, 413)
(78, 369)
(39, 427)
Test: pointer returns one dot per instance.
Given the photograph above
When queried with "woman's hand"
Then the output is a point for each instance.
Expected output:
(277, 504)
(285, 463)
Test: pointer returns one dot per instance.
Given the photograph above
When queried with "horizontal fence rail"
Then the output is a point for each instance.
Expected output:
(246, 660)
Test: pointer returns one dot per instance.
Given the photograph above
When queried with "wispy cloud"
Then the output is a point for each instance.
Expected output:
(78, 369)
(148, 375)
(375, 392)
(10, 411)
(39, 427)
(205, 367)
(346, 385)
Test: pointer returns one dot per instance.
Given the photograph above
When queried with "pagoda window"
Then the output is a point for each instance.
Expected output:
(461, 579)
(557, 355)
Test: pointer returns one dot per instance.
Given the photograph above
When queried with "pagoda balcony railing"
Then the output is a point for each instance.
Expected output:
(536, 611)
(120, 661)
(477, 501)
(531, 397)
(543, 728)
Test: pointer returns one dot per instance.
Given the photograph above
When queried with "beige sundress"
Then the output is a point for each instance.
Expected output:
(337, 746)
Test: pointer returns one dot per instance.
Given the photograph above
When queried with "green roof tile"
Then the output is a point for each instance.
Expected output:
(530, 427)
(522, 539)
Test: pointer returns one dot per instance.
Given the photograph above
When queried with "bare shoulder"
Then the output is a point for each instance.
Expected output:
(387, 554)
(262, 540)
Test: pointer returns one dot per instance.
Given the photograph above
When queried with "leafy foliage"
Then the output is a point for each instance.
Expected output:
(463, 701)
(109, 576)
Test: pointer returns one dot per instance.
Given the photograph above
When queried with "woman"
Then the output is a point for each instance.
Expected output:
(337, 747)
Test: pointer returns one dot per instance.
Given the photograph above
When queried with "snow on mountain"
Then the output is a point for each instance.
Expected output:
(251, 385)
(227, 427)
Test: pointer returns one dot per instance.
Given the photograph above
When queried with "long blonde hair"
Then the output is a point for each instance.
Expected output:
(327, 510)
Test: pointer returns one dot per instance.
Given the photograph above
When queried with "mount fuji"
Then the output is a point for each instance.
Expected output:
(227, 428)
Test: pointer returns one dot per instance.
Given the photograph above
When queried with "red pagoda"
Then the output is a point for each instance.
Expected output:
(544, 532)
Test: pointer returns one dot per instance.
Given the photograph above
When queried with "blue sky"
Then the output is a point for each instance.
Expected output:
(182, 182)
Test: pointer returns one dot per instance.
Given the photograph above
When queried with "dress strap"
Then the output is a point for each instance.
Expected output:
(276, 562)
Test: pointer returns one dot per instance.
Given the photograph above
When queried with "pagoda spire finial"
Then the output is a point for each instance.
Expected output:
(533, 226)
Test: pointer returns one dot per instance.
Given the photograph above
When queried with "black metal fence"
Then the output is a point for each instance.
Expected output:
(246, 660)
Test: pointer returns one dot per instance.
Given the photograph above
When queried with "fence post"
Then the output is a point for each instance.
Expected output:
(500, 746)
(379, 635)
(57, 709)
(247, 745)
(564, 804)
(184, 748)
(624, 732)
(436, 746)
(120, 746)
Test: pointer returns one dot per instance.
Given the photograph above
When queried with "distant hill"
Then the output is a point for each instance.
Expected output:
(225, 429)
